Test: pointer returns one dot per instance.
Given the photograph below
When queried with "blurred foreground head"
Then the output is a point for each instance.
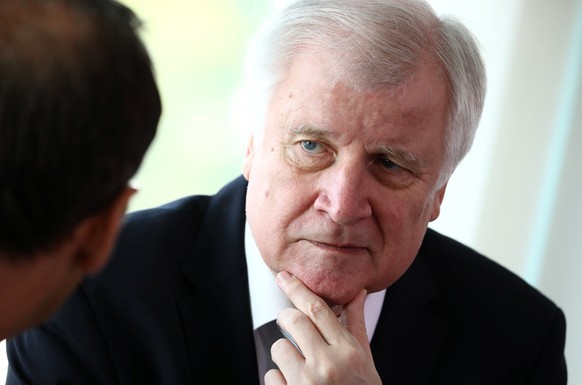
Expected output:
(79, 107)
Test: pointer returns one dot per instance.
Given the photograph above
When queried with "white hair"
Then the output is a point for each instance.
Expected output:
(376, 44)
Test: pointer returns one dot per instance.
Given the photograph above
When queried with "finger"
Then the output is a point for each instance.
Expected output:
(300, 328)
(311, 305)
(290, 338)
(353, 318)
(274, 377)
(287, 357)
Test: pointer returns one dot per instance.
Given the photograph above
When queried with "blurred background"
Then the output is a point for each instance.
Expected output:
(516, 197)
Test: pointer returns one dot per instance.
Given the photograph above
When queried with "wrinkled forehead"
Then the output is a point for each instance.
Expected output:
(356, 70)
(327, 69)
(308, 93)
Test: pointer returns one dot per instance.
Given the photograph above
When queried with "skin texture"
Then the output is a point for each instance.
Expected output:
(343, 183)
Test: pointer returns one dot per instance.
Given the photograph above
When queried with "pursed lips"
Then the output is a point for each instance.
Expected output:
(337, 246)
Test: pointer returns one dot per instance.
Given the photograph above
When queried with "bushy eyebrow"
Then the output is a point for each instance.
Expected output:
(309, 130)
(399, 156)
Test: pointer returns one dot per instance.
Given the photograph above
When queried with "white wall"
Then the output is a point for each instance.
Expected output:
(517, 196)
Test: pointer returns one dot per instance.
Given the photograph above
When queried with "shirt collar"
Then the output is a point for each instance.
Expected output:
(267, 300)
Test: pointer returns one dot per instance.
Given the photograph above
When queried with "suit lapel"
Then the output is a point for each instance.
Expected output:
(219, 335)
(410, 332)
(217, 320)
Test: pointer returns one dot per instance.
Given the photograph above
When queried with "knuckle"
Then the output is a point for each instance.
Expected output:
(328, 374)
(351, 356)
(298, 318)
(316, 308)
(291, 317)
(286, 313)
(277, 347)
(273, 376)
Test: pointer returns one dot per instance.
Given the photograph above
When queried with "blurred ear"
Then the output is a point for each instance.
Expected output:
(96, 234)
(248, 162)
(436, 204)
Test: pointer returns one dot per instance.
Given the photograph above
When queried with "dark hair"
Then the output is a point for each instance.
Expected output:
(79, 107)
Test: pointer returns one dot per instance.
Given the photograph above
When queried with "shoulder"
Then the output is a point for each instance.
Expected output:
(488, 324)
(174, 219)
(154, 244)
(470, 280)
(175, 225)
(510, 327)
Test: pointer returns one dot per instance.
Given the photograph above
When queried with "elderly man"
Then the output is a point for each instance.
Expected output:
(79, 107)
(363, 110)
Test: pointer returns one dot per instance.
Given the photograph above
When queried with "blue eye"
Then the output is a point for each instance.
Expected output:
(309, 145)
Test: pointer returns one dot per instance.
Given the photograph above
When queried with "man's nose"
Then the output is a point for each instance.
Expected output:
(344, 193)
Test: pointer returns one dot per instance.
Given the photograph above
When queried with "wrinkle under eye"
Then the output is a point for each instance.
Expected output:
(392, 174)
(308, 155)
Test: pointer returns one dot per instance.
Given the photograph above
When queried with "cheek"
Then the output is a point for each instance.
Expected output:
(272, 205)
(403, 223)
(409, 212)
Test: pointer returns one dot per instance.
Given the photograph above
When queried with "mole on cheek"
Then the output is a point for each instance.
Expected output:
(290, 96)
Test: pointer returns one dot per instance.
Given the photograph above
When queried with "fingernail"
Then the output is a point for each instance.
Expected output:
(283, 276)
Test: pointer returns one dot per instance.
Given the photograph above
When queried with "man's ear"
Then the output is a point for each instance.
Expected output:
(438, 200)
(248, 162)
(96, 234)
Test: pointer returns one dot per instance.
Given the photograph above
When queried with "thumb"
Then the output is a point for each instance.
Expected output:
(353, 318)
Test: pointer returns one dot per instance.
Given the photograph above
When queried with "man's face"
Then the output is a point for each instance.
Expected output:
(342, 184)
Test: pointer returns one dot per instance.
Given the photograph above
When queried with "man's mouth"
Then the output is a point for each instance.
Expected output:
(337, 247)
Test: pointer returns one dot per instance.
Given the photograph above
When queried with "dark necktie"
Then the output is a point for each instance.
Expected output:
(265, 337)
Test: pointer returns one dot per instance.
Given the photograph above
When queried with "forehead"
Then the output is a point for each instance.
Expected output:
(307, 96)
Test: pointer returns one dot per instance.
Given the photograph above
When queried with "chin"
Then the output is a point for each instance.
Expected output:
(333, 293)
(334, 300)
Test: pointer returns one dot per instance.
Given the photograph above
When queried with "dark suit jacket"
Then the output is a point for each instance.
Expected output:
(173, 307)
